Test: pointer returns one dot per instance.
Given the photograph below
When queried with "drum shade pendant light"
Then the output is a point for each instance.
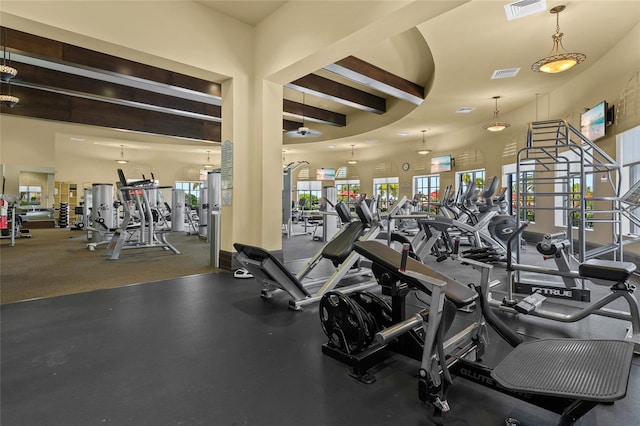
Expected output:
(423, 148)
(558, 61)
(7, 72)
(496, 125)
(208, 164)
(122, 160)
(352, 160)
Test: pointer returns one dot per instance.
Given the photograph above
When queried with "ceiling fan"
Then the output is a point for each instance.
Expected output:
(303, 131)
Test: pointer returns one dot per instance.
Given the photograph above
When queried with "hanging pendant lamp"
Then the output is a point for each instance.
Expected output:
(558, 61)
(208, 164)
(7, 72)
(122, 160)
(496, 125)
(423, 148)
(352, 160)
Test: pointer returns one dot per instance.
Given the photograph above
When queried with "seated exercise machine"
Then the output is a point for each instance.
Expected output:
(535, 299)
(274, 277)
(140, 227)
(599, 370)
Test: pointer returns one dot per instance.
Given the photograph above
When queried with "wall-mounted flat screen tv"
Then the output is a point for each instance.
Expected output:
(441, 164)
(325, 174)
(593, 122)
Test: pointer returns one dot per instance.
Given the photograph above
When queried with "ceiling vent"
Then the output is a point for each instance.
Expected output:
(505, 73)
(521, 8)
(464, 110)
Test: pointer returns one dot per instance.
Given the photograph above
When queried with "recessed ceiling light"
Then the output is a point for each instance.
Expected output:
(332, 146)
(403, 133)
(371, 140)
(465, 110)
(77, 139)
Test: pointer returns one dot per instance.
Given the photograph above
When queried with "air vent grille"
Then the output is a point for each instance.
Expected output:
(464, 110)
(505, 73)
(521, 8)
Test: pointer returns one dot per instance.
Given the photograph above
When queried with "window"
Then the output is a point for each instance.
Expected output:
(568, 202)
(427, 188)
(527, 190)
(30, 195)
(348, 192)
(387, 191)
(308, 194)
(628, 148)
(464, 178)
(191, 192)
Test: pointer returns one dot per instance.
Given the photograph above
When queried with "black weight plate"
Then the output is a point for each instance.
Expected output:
(342, 322)
(377, 307)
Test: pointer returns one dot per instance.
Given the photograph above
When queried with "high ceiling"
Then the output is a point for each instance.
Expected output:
(371, 96)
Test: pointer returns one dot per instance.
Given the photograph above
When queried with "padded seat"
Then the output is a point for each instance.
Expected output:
(610, 270)
(338, 249)
(390, 259)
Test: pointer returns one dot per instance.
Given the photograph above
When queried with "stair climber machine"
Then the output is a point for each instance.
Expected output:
(570, 300)
(271, 273)
(364, 331)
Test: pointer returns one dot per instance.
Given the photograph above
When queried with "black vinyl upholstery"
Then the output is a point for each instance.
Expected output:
(390, 259)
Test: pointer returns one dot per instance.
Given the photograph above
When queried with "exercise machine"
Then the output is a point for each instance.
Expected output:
(602, 367)
(540, 298)
(138, 229)
(274, 277)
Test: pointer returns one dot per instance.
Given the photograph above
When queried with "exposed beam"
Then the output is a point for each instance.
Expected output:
(309, 113)
(56, 51)
(47, 79)
(367, 74)
(289, 125)
(337, 92)
(48, 105)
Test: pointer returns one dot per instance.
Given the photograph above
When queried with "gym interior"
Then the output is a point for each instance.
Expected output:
(384, 211)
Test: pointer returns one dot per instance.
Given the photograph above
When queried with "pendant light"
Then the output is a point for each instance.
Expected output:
(423, 148)
(558, 61)
(496, 125)
(352, 160)
(122, 160)
(7, 72)
(208, 164)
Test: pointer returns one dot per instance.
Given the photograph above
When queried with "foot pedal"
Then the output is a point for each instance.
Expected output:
(530, 303)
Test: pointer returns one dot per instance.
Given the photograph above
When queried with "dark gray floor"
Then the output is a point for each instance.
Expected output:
(207, 350)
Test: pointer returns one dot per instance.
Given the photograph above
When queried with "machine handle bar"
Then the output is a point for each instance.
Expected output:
(516, 234)
(387, 335)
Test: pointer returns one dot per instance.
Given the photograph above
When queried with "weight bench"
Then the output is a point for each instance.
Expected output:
(566, 376)
(273, 275)
(387, 261)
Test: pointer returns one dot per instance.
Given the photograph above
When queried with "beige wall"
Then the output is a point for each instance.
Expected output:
(253, 63)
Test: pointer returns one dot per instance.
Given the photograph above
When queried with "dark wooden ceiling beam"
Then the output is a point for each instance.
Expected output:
(42, 104)
(370, 75)
(56, 51)
(322, 87)
(313, 114)
(55, 80)
(289, 125)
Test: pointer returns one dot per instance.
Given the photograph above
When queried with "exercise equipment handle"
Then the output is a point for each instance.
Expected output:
(510, 240)
(387, 335)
